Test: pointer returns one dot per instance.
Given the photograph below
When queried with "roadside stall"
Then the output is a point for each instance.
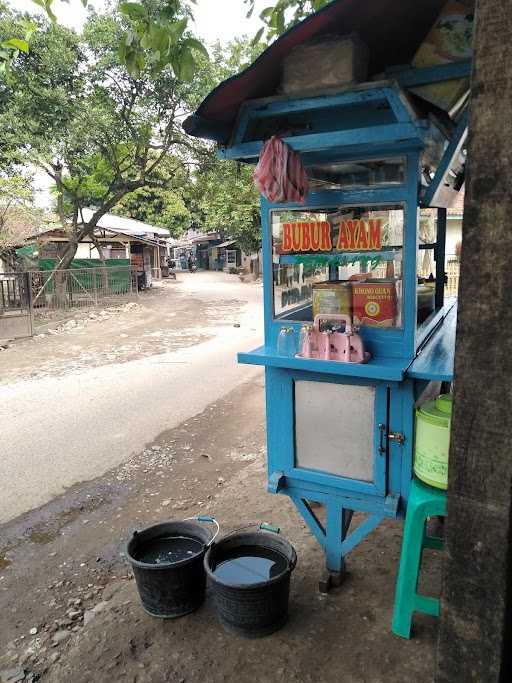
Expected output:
(229, 255)
(355, 339)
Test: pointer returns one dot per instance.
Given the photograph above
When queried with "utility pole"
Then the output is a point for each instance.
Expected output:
(475, 638)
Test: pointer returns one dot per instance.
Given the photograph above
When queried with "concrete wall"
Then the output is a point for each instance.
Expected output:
(86, 250)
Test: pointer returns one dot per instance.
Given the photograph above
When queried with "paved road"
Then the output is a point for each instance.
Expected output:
(57, 431)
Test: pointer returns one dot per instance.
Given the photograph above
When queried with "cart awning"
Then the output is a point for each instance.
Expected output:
(225, 244)
(392, 29)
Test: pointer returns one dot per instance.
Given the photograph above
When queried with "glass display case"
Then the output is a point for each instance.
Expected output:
(342, 260)
(338, 175)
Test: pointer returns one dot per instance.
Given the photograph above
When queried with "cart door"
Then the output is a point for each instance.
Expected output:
(340, 432)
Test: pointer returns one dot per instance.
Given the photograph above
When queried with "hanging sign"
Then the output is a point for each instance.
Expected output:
(306, 237)
(360, 235)
(352, 235)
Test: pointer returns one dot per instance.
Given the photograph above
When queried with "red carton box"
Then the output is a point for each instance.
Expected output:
(374, 303)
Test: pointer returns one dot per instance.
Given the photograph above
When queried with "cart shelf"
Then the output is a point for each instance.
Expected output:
(435, 362)
(390, 369)
(341, 257)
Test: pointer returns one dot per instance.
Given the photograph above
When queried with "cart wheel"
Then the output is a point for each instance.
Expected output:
(331, 580)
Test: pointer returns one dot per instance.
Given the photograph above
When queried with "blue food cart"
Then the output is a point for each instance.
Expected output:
(384, 163)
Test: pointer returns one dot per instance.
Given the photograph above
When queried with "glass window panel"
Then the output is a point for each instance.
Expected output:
(350, 174)
(339, 260)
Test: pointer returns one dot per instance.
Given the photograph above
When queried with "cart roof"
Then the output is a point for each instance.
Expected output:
(392, 29)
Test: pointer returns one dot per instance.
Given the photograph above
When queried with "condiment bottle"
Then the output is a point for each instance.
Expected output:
(281, 341)
(305, 341)
(327, 344)
(286, 342)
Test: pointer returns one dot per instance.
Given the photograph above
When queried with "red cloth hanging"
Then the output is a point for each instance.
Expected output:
(280, 175)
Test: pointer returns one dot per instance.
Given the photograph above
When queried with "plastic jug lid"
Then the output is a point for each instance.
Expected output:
(444, 403)
(437, 411)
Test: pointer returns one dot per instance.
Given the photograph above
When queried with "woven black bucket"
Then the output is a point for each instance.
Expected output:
(260, 608)
(175, 588)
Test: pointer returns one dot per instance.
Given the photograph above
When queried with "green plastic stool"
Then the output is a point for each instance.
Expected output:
(424, 501)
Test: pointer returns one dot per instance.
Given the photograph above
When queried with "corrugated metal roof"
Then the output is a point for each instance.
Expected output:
(60, 234)
(155, 242)
(225, 244)
(208, 237)
(128, 226)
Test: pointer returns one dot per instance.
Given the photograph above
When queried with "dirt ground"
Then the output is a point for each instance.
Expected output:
(167, 317)
(69, 609)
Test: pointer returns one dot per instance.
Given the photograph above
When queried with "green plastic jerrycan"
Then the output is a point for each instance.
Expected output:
(432, 443)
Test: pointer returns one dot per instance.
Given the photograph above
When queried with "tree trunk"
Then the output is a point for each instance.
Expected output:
(60, 277)
(104, 270)
(475, 630)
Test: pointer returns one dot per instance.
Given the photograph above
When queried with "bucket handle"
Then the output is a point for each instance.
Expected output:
(261, 526)
(210, 520)
(269, 528)
(264, 526)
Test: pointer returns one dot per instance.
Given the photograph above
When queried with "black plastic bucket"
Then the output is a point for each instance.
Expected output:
(259, 607)
(170, 588)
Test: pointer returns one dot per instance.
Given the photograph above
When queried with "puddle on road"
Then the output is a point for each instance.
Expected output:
(4, 562)
(43, 537)
(45, 532)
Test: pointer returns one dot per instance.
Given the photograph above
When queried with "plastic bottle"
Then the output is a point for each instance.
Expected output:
(286, 345)
(305, 341)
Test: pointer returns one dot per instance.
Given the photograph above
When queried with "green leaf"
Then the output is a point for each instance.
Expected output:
(133, 10)
(16, 44)
(267, 12)
(29, 27)
(277, 21)
(257, 37)
(146, 41)
(186, 65)
(194, 44)
(47, 6)
(176, 29)
(132, 64)
(141, 62)
(121, 50)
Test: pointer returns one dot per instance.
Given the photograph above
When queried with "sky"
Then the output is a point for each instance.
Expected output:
(215, 19)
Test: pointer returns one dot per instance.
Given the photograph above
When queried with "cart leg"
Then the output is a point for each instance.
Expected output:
(337, 524)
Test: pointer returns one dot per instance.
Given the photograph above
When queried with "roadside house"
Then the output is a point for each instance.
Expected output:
(143, 246)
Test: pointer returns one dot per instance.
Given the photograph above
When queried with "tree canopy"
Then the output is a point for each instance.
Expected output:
(101, 114)
(19, 218)
(213, 195)
(154, 35)
(73, 109)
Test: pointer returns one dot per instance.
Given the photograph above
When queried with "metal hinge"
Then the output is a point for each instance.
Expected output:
(397, 437)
